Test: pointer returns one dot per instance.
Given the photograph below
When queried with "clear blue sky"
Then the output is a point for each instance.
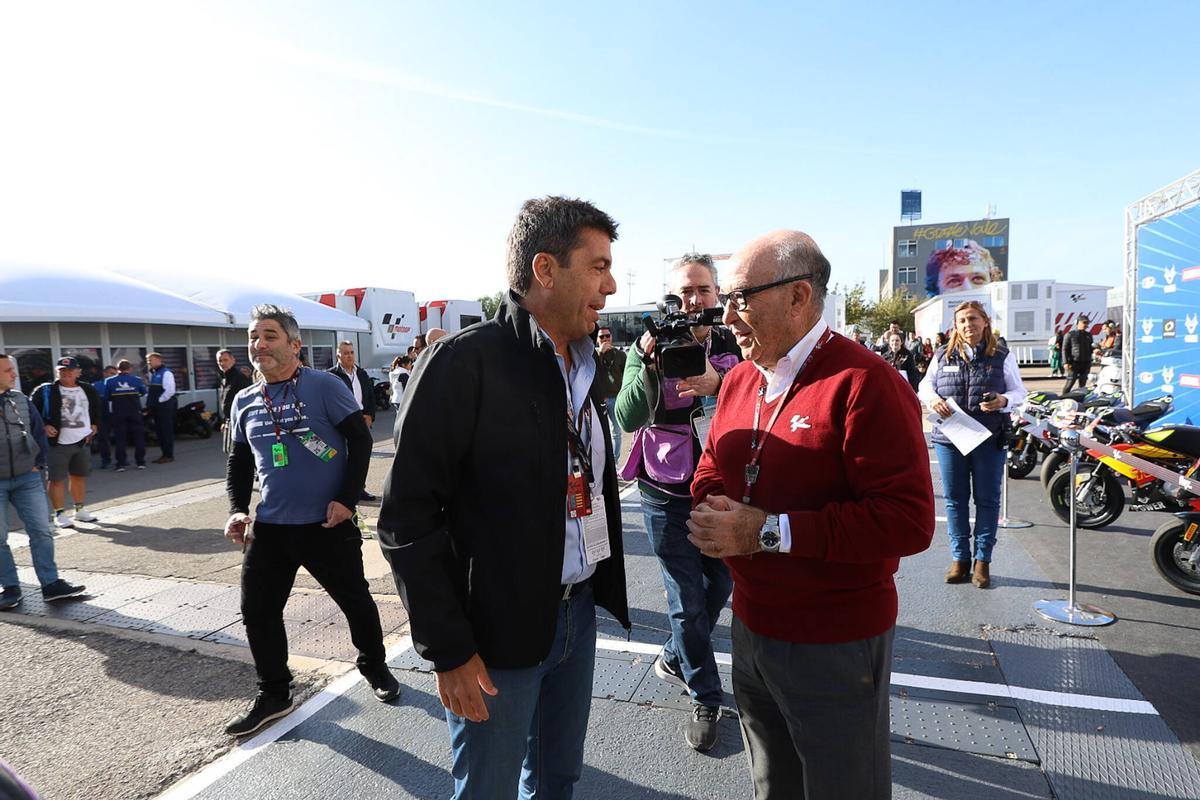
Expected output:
(324, 145)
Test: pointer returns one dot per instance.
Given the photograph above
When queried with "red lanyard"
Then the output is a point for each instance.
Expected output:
(277, 419)
(756, 445)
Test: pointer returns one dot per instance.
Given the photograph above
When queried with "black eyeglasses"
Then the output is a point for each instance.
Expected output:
(604, 336)
(738, 296)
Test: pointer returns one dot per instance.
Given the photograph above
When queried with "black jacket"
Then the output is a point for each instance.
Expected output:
(47, 398)
(364, 383)
(232, 382)
(1077, 347)
(473, 516)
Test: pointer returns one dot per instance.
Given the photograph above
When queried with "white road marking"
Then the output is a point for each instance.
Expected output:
(195, 784)
(1045, 697)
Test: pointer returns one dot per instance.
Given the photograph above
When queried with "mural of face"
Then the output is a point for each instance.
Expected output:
(959, 269)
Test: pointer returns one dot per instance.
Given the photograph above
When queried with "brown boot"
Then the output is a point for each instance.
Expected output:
(982, 578)
(958, 572)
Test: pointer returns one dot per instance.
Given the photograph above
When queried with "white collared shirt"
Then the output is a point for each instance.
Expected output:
(784, 373)
(779, 380)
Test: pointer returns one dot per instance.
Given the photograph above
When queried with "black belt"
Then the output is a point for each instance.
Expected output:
(573, 589)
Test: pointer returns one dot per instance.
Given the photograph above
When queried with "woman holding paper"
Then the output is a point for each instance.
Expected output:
(980, 375)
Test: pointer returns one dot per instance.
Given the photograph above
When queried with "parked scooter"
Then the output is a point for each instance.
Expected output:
(1030, 439)
(190, 420)
(1175, 549)
(1099, 493)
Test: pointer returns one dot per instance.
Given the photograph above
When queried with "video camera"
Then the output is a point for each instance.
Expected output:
(676, 351)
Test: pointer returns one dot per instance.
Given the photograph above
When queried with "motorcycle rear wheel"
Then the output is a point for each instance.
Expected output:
(1170, 554)
(1110, 501)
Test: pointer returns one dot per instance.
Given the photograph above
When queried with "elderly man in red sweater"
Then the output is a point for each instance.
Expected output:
(813, 483)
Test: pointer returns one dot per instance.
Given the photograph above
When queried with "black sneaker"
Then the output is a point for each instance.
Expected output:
(10, 597)
(701, 731)
(669, 672)
(384, 684)
(61, 590)
(264, 709)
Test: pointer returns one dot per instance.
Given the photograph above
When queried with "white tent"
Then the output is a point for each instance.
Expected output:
(39, 293)
(236, 298)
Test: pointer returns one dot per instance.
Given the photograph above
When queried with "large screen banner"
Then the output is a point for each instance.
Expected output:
(1167, 327)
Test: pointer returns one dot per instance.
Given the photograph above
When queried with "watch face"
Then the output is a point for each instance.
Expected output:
(769, 539)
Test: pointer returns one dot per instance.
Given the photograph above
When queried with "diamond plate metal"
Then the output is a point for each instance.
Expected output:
(326, 640)
(392, 616)
(194, 622)
(969, 727)
(618, 678)
(229, 600)
(189, 594)
(1039, 659)
(411, 661)
(1104, 755)
(136, 615)
(234, 634)
(310, 606)
(654, 691)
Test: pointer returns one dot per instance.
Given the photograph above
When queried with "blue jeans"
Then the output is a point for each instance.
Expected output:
(697, 589)
(27, 493)
(532, 743)
(979, 472)
(611, 402)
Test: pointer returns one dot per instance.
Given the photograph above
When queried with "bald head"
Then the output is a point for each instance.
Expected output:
(786, 254)
(433, 334)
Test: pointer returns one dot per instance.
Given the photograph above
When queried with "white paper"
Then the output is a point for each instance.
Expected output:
(964, 431)
(702, 422)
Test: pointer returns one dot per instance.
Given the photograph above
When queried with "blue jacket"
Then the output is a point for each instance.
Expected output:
(124, 392)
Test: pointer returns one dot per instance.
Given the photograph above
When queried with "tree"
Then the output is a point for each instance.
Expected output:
(491, 303)
(897, 306)
(857, 306)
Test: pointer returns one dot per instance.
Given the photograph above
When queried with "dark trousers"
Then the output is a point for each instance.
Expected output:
(1079, 372)
(125, 426)
(331, 555)
(164, 426)
(814, 717)
(103, 434)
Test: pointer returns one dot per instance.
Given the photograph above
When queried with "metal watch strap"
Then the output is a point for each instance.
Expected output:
(768, 536)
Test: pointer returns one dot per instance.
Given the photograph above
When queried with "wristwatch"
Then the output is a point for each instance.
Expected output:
(768, 537)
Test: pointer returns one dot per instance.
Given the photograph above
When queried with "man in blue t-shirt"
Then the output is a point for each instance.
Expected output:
(303, 433)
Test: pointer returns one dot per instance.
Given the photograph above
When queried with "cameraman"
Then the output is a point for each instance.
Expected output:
(663, 458)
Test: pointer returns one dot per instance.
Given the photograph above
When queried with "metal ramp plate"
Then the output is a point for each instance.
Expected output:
(195, 622)
(618, 675)
(972, 728)
(411, 661)
(1088, 753)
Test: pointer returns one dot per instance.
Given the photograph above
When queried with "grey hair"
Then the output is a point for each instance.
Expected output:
(703, 259)
(346, 342)
(224, 352)
(551, 225)
(799, 255)
(282, 315)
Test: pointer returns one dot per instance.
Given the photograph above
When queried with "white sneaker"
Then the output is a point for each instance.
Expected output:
(82, 515)
(63, 521)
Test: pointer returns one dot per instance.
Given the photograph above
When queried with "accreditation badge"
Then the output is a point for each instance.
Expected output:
(579, 496)
(596, 546)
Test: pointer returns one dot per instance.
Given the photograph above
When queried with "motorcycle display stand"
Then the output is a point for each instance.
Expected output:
(1070, 610)
(1005, 520)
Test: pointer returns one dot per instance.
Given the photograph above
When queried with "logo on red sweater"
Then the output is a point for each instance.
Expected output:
(799, 422)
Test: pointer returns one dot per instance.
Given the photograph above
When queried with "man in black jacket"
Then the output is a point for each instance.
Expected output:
(304, 434)
(232, 381)
(501, 516)
(71, 410)
(361, 387)
(1077, 355)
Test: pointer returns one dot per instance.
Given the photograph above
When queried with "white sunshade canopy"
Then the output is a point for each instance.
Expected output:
(236, 298)
(41, 293)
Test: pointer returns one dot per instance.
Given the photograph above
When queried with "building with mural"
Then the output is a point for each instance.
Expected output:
(947, 257)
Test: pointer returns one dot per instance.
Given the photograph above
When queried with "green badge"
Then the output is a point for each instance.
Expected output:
(279, 457)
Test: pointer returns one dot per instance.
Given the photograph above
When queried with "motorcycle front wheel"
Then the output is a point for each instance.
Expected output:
(1052, 463)
(1021, 462)
(1103, 504)
(1172, 556)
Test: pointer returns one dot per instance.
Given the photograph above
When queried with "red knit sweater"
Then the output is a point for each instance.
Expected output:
(848, 464)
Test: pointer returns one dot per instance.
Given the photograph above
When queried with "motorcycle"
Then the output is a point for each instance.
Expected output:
(190, 420)
(1099, 419)
(1031, 434)
(1175, 550)
(1099, 493)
